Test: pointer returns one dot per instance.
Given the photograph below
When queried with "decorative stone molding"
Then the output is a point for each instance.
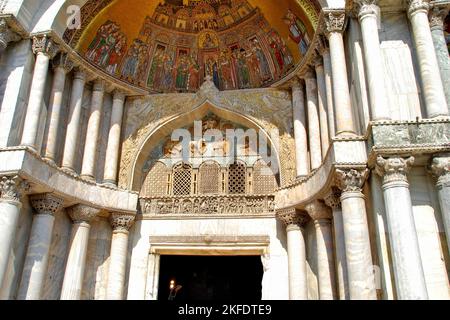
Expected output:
(82, 214)
(334, 21)
(364, 8)
(440, 168)
(43, 44)
(394, 169)
(317, 210)
(292, 217)
(12, 188)
(416, 6)
(46, 204)
(437, 15)
(209, 205)
(121, 222)
(351, 180)
(6, 35)
(333, 199)
(63, 61)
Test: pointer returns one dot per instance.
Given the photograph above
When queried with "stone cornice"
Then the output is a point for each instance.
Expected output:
(27, 164)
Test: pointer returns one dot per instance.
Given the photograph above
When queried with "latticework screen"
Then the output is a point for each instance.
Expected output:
(156, 182)
(182, 179)
(237, 178)
(209, 178)
(263, 179)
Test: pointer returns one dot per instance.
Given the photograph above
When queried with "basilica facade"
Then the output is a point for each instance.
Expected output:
(306, 143)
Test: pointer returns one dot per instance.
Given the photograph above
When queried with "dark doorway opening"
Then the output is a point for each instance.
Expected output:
(206, 278)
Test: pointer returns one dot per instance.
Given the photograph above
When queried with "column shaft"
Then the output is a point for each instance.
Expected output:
(373, 59)
(329, 89)
(298, 288)
(433, 90)
(73, 126)
(323, 105)
(301, 136)
(112, 151)
(93, 131)
(313, 121)
(341, 259)
(117, 269)
(325, 259)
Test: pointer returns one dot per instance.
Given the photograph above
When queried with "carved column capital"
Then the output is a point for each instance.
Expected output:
(44, 45)
(394, 169)
(292, 217)
(317, 210)
(334, 21)
(296, 83)
(12, 188)
(310, 74)
(437, 16)
(46, 204)
(99, 85)
(63, 61)
(351, 180)
(6, 35)
(121, 222)
(317, 61)
(416, 6)
(80, 74)
(366, 8)
(82, 214)
(333, 199)
(440, 168)
(119, 95)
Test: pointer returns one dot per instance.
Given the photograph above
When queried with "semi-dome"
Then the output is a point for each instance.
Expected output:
(173, 45)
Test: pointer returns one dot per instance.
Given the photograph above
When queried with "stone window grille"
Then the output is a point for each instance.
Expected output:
(210, 178)
(182, 180)
(237, 174)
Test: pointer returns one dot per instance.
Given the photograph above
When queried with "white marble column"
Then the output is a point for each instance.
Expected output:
(93, 131)
(36, 261)
(432, 87)
(73, 125)
(301, 136)
(405, 250)
(333, 200)
(361, 277)
(81, 216)
(315, 149)
(62, 66)
(113, 148)
(440, 168)
(45, 49)
(322, 216)
(437, 16)
(325, 51)
(335, 26)
(6, 35)
(322, 105)
(11, 188)
(367, 14)
(295, 222)
(121, 225)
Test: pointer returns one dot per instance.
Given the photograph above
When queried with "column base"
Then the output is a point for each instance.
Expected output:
(88, 177)
(110, 184)
(70, 171)
(51, 161)
(346, 134)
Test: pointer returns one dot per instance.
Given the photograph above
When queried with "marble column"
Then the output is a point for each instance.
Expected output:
(361, 277)
(301, 136)
(62, 66)
(432, 87)
(121, 225)
(313, 120)
(367, 14)
(295, 222)
(329, 88)
(335, 26)
(6, 35)
(36, 261)
(73, 125)
(333, 200)
(81, 216)
(440, 168)
(407, 263)
(11, 189)
(45, 49)
(93, 131)
(321, 215)
(322, 104)
(437, 16)
(113, 148)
